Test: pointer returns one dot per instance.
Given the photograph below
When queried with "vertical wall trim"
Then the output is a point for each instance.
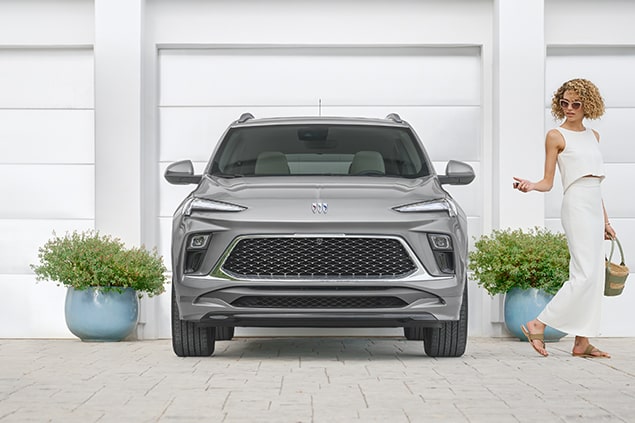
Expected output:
(519, 90)
(118, 114)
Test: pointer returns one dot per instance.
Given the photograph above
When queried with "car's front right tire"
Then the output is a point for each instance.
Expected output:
(188, 338)
(450, 339)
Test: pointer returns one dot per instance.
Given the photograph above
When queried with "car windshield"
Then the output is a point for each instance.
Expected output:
(323, 149)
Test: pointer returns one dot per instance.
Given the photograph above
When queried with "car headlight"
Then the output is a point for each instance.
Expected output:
(429, 206)
(201, 204)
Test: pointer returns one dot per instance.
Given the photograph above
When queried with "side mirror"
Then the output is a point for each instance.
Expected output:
(181, 173)
(457, 173)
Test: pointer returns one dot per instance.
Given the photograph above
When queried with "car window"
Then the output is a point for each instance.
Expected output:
(356, 150)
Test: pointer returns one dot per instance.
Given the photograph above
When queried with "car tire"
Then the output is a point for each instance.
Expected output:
(414, 333)
(224, 333)
(450, 339)
(188, 338)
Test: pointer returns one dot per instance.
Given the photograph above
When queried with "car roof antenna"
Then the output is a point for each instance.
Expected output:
(245, 117)
(394, 117)
(320, 107)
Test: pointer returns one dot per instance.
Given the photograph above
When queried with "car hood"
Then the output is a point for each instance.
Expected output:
(294, 197)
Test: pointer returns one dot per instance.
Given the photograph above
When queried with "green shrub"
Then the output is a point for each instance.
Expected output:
(509, 259)
(87, 259)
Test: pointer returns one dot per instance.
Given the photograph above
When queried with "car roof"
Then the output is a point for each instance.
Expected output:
(247, 119)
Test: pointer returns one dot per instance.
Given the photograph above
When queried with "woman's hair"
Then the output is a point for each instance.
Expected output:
(592, 101)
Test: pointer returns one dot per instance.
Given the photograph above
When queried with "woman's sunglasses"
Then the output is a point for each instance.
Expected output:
(575, 105)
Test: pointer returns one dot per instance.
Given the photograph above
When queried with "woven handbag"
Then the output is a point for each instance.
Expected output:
(615, 274)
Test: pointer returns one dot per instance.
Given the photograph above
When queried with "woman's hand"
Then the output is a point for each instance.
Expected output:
(609, 232)
(523, 185)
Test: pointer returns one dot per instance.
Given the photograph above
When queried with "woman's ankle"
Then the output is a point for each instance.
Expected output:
(581, 341)
(537, 325)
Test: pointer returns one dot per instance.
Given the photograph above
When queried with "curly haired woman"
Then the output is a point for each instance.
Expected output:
(576, 308)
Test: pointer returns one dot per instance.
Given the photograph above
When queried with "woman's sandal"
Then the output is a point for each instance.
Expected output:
(588, 353)
(534, 337)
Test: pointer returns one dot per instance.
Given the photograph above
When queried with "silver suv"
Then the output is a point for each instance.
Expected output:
(319, 222)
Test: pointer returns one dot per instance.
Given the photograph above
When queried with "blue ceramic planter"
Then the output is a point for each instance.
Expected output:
(95, 315)
(524, 305)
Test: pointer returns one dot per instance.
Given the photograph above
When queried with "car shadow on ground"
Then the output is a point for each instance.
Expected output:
(322, 348)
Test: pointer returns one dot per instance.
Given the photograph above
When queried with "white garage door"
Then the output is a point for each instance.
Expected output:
(47, 170)
(438, 90)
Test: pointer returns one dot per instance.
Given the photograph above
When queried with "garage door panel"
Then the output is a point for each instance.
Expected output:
(617, 190)
(436, 126)
(303, 76)
(46, 78)
(47, 192)
(47, 136)
(611, 69)
(193, 132)
(616, 134)
(32, 309)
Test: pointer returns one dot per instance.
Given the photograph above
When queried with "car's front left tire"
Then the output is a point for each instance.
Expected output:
(188, 338)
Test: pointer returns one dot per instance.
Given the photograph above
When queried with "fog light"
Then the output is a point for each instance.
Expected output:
(440, 242)
(441, 245)
(198, 242)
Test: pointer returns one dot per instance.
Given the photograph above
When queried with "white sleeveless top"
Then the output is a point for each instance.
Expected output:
(581, 156)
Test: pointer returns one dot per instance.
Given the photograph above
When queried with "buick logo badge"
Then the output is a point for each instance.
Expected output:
(319, 208)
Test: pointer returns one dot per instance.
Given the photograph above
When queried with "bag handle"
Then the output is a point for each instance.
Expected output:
(613, 240)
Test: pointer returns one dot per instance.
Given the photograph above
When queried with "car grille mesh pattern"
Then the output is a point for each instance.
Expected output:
(317, 302)
(316, 258)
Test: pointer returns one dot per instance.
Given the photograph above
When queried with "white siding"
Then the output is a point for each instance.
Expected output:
(47, 163)
(435, 62)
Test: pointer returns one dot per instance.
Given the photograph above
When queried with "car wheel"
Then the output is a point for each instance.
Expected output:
(224, 333)
(188, 338)
(451, 338)
(414, 333)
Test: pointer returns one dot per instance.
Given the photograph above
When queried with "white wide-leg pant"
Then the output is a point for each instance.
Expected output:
(576, 308)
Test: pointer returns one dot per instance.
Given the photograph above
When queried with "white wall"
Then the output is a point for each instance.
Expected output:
(83, 86)
(47, 151)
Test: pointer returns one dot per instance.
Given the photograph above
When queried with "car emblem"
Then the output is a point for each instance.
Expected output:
(320, 208)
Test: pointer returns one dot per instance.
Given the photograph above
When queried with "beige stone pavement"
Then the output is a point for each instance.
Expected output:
(313, 380)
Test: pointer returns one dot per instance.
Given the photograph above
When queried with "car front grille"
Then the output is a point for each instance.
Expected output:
(318, 302)
(318, 258)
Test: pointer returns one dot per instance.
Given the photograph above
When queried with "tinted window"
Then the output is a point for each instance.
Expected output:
(320, 150)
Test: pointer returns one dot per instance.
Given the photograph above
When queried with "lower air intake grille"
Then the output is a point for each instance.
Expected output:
(317, 302)
(316, 258)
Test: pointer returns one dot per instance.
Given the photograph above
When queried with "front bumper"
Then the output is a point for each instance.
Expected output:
(211, 301)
